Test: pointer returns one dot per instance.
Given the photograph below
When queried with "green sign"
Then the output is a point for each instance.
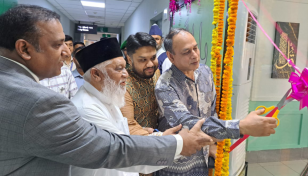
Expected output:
(106, 35)
(102, 29)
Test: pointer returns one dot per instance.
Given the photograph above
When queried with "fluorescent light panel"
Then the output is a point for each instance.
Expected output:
(93, 4)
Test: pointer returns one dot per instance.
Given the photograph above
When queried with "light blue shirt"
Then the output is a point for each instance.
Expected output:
(78, 78)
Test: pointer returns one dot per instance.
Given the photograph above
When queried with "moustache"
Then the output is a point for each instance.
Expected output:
(150, 68)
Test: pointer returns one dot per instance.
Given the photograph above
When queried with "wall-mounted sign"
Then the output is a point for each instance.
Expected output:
(85, 28)
(286, 39)
(102, 29)
(106, 35)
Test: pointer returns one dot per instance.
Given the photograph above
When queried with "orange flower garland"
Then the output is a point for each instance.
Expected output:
(223, 104)
(219, 8)
(220, 28)
(214, 39)
(213, 50)
(226, 105)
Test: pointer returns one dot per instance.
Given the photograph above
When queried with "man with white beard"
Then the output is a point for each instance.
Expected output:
(102, 95)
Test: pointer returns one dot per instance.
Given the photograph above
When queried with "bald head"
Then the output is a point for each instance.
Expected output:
(182, 50)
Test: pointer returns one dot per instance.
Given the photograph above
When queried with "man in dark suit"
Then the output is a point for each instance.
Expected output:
(41, 132)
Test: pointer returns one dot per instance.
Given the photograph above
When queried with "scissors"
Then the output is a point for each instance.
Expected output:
(274, 110)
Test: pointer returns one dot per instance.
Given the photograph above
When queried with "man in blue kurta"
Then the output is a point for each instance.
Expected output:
(163, 61)
(186, 93)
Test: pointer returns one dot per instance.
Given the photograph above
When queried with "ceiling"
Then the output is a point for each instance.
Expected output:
(115, 13)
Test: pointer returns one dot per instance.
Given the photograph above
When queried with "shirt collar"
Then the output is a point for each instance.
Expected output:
(180, 76)
(72, 60)
(33, 75)
(91, 89)
(160, 51)
(76, 74)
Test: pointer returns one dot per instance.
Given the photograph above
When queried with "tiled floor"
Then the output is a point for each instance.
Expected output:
(284, 168)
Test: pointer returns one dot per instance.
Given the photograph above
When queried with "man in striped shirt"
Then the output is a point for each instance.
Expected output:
(64, 83)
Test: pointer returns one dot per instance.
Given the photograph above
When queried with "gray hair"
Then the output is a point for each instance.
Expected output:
(100, 66)
(168, 40)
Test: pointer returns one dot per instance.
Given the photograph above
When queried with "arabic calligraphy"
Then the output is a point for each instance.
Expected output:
(286, 39)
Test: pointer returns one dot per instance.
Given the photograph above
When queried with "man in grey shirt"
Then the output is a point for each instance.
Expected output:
(41, 132)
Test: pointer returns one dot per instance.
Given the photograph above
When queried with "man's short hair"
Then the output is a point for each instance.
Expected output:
(76, 50)
(68, 38)
(140, 39)
(81, 43)
(20, 23)
(168, 39)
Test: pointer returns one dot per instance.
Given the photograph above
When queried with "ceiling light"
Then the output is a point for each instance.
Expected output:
(93, 4)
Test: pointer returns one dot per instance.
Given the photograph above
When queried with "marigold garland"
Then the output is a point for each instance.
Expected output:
(217, 40)
(226, 104)
(223, 103)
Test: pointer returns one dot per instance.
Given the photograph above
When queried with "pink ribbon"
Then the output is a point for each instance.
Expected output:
(299, 86)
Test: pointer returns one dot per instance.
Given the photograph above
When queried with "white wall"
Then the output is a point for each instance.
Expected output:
(253, 3)
(264, 87)
(68, 25)
(139, 21)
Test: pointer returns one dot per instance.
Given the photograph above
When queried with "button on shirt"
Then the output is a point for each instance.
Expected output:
(64, 83)
(78, 78)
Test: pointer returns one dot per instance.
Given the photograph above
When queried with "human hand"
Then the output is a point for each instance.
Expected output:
(256, 125)
(149, 130)
(173, 130)
(194, 139)
(213, 150)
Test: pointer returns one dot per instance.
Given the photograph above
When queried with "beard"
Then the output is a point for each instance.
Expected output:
(158, 47)
(114, 92)
(143, 75)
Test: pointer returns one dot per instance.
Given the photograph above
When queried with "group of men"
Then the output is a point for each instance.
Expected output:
(70, 79)
(107, 127)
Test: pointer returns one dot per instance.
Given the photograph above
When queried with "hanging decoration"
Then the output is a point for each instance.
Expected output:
(188, 4)
(226, 104)
(174, 7)
(217, 34)
(223, 82)
(215, 52)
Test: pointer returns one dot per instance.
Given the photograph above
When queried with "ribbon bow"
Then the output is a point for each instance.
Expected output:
(299, 86)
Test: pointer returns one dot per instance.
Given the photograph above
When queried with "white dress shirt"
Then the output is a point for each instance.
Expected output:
(95, 108)
(64, 83)
(166, 65)
(71, 66)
